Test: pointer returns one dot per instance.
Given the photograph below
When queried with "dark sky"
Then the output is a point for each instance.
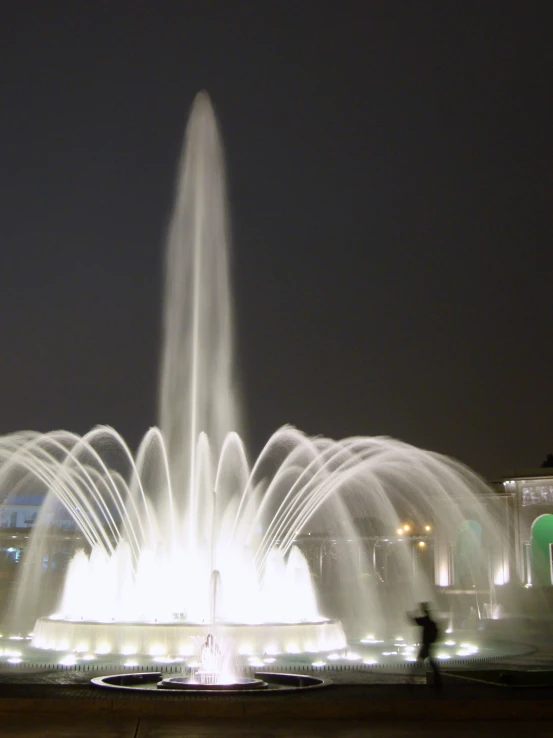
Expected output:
(390, 175)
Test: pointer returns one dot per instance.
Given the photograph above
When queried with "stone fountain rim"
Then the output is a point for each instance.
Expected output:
(281, 683)
(191, 624)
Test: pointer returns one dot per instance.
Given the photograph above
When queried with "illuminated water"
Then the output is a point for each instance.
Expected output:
(187, 534)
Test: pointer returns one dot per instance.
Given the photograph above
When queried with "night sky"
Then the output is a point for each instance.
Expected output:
(390, 178)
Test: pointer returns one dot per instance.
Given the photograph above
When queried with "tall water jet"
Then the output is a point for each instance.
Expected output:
(197, 392)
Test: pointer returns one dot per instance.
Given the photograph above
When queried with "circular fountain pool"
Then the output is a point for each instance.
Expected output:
(262, 683)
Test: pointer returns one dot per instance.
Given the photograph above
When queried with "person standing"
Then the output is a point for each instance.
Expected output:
(429, 637)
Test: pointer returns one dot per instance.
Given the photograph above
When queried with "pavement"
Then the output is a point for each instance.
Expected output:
(30, 727)
(363, 702)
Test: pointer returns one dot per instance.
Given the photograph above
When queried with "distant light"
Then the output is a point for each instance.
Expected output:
(428, 528)
(406, 528)
(68, 660)
(318, 664)
(14, 660)
(400, 531)
(422, 544)
(353, 656)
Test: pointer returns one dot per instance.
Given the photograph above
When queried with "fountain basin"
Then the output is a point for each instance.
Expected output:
(180, 638)
(189, 684)
(263, 683)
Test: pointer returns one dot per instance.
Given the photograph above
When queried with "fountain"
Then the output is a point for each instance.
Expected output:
(186, 539)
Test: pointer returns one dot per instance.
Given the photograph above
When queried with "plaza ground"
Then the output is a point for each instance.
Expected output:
(116, 728)
(508, 698)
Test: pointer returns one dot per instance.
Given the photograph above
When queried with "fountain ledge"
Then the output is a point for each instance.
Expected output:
(178, 639)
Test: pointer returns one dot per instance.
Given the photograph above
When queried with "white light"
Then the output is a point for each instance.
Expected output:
(318, 664)
(444, 656)
(352, 656)
(88, 657)
(157, 650)
(450, 643)
(68, 660)
(410, 658)
(16, 638)
(130, 663)
(333, 656)
(128, 651)
(14, 660)
(103, 649)
(370, 662)
(269, 661)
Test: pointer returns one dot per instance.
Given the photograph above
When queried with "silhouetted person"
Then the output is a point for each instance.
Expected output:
(429, 637)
